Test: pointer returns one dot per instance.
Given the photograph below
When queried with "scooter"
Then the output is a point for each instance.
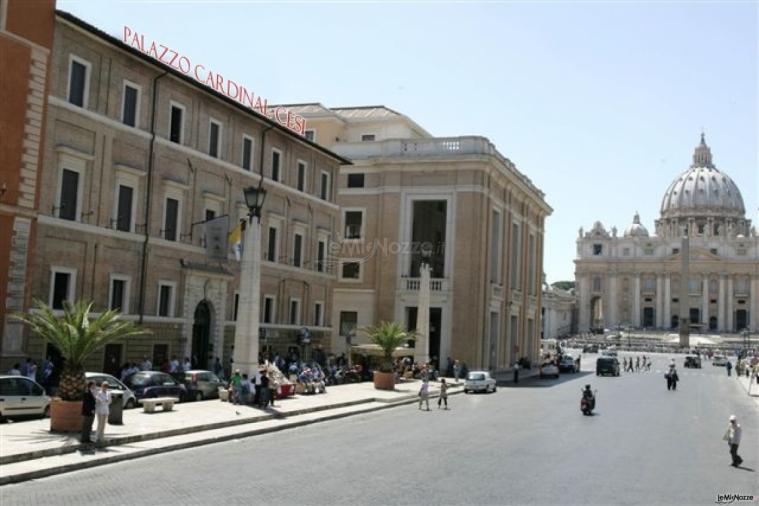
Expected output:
(587, 404)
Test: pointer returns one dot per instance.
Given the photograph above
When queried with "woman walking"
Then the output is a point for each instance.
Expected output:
(443, 394)
(102, 408)
(424, 394)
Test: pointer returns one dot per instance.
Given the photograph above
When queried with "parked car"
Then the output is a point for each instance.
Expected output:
(20, 396)
(479, 381)
(590, 348)
(567, 364)
(549, 369)
(719, 360)
(128, 399)
(155, 384)
(202, 385)
(607, 365)
(692, 361)
(609, 352)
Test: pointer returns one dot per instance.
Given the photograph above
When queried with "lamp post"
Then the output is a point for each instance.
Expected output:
(422, 349)
(248, 321)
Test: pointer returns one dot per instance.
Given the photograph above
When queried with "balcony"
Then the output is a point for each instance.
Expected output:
(436, 284)
(496, 291)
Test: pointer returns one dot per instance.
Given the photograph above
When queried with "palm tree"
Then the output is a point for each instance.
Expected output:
(77, 336)
(388, 336)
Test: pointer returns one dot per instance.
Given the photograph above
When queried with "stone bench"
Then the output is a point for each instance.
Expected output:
(167, 403)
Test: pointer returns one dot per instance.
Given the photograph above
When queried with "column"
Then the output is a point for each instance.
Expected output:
(636, 302)
(248, 316)
(729, 305)
(421, 350)
(705, 302)
(583, 308)
(754, 305)
(667, 316)
(659, 301)
(721, 304)
(612, 319)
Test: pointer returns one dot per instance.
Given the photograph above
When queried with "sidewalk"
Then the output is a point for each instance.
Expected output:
(751, 388)
(29, 450)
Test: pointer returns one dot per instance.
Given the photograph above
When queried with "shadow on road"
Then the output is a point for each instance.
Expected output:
(538, 382)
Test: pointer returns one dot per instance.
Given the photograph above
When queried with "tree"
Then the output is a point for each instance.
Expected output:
(388, 336)
(77, 336)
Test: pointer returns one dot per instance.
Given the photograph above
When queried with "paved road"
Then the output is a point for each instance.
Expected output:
(523, 445)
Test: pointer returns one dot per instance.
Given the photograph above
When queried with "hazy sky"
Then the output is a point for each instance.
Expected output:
(601, 103)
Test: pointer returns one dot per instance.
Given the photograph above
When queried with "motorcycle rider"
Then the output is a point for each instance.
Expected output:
(587, 394)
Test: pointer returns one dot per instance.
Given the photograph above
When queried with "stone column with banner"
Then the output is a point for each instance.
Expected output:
(422, 347)
(247, 328)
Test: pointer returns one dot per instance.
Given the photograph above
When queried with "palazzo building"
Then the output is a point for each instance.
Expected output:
(136, 157)
(482, 217)
(634, 279)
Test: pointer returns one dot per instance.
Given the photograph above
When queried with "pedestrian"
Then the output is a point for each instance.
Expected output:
(624, 364)
(88, 412)
(637, 364)
(443, 394)
(146, 365)
(264, 397)
(31, 371)
(257, 389)
(733, 438)
(102, 408)
(456, 370)
(516, 372)
(672, 378)
(244, 389)
(729, 367)
(217, 367)
(15, 370)
(235, 384)
(424, 394)
(187, 365)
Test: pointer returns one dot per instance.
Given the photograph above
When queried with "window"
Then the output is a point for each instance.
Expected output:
(649, 284)
(713, 251)
(694, 286)
(353, 224)
(324, 190)
(310, 135)
(214, 139)
(268, 316)
(176, 123)
(294, 312)
(62, 286)
(598, 249)
(130, 108)
(301, 176)
(741, 252)
(79, 81)
(275, 158)
(596, 284)
(166, 298)
(648, 251)
(625, 252)
(298, 250)
(235, 306)
(348, 322)
(247, 152)
(318, 314)
(210, 214)
(171, 217)
(532, 251)
(68, 198)
(515, 250)
(271, 249)
(367, 137)
(124, 208)
(350, 270)
(355, 180)
(675, 251)
(118, 298)
(321, 253)
(495, 247)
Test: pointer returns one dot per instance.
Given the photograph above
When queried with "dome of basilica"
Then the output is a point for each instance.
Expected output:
(636, 229)
(702, 190)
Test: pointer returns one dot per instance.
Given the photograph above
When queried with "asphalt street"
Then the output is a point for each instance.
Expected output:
(524, 445)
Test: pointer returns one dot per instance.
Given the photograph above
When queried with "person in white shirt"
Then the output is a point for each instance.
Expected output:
(187, 366)
(102, 408)
(15, 370)
(174, 365)
(147, 365)
(733, 438)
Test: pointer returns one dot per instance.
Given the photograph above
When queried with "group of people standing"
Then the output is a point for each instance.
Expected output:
(260, 390)
(639, 364)
(29, 369)
(95, 403)
(424, 394)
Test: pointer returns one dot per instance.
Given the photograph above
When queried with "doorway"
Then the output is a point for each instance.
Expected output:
(712, 323)
(436, 319)
(112, 360)
(201, 336)
(674, 322)
(695, 315)
(649, 316)
(741, 319)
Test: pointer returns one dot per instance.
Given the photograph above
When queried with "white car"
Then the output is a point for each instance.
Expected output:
(479, 381)
(719, 360)
(128, 400)
(20, 396)
(549, 369)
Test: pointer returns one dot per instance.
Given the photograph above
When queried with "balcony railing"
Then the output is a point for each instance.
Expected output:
(436, 284)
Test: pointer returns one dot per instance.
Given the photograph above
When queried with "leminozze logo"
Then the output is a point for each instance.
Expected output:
(731, 498)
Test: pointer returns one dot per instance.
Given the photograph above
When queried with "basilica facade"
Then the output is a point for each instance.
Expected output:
(634, 279)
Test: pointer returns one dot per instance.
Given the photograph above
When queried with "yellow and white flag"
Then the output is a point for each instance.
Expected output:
(235, 240)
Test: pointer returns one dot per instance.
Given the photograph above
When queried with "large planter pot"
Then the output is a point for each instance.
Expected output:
(65, 416)
(384, 380)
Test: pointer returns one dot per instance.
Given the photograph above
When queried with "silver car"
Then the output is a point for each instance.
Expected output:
(20, 396)
(202, 384)
(128, 399)
(479, 381)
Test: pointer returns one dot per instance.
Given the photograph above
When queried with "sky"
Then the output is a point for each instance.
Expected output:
(600, 104)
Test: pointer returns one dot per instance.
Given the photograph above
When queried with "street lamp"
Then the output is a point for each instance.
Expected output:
(247, 329)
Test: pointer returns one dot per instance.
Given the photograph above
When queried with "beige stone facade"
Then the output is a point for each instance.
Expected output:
(122, 209)
(635, 279)
(483, 219)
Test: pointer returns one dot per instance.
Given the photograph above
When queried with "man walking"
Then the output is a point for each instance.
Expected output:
(733, 438)
(456, 370)
(424, 394)
(88, 412)
(729, 367)
(102, 409)
(443, 394)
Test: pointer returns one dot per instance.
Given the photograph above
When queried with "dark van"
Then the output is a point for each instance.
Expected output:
(607, 365)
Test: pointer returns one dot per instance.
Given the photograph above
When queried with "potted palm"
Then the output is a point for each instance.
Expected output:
(77, 336)
(388, 336)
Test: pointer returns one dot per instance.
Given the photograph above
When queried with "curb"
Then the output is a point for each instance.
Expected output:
(41, 473)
